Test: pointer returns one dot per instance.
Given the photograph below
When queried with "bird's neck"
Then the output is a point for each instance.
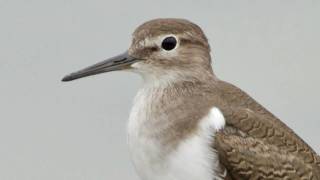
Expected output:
(166, 79)
(164, 109)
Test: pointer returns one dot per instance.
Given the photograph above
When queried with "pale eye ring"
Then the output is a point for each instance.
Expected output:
(169, 43)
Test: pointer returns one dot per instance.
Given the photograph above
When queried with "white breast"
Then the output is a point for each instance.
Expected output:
(193, 159)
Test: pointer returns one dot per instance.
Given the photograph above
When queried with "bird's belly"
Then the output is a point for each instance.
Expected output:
(192, 160)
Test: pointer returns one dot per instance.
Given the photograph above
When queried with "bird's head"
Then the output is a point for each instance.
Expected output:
(173, 48)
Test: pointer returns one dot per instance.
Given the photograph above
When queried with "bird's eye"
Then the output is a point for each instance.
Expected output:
(169, 43)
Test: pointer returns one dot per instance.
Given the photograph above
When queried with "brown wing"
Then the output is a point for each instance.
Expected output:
(257, 145)
(252, 147)
(247, 158)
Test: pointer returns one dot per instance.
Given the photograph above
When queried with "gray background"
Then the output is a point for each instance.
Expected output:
(77, 131)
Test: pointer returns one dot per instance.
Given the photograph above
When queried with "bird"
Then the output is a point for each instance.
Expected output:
(187, 124)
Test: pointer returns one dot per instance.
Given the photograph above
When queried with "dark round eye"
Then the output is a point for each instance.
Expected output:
(169, 43)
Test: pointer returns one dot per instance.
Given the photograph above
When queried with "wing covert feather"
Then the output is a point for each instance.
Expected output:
(249, 158)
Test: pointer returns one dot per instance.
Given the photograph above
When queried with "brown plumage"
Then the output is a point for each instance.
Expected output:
(254, 144)
(257, 145)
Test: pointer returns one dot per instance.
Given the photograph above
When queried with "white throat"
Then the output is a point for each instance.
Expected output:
(154, 77)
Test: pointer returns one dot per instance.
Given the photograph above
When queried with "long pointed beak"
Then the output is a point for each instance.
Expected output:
(119, 62)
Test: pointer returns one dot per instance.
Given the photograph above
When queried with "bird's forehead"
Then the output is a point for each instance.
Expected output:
(159, 27)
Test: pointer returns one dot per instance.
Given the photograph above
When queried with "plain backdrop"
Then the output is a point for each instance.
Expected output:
(51, 130)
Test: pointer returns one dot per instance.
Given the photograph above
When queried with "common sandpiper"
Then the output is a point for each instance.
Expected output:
(186, 124)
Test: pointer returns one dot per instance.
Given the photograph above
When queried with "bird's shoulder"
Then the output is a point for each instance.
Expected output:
(255, 143)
